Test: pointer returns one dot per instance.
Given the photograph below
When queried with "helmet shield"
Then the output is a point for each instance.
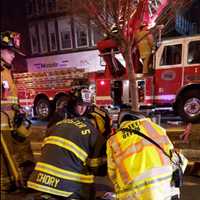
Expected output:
(83, 96)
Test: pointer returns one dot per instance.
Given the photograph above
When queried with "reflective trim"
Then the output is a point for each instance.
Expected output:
(9, 99)
(66, 144)
(63, 174)
(146, 183)
(95, 162)
(155, 172)
(13, 101)
(6, 127)
(11, 161)
(47, 189)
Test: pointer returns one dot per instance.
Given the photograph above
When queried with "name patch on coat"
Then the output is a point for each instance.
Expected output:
(47, 180)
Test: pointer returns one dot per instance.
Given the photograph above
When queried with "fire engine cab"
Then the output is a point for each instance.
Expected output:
(174, 80)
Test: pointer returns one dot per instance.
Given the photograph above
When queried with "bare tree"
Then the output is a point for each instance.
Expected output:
(119, 20)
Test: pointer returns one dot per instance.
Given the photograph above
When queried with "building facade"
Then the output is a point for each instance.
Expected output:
(58, 34)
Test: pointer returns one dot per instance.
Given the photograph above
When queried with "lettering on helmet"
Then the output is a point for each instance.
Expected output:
(86, 95)
(47, 180)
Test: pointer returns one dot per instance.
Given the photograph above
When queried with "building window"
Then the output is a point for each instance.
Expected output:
(65, 33)
(33, 39)
(96, 34)
(171, 55)
(41, 6)
(81, 33)
(52, 35)
(42, 37)
(31, 8)
(51, 5)
(194, 52)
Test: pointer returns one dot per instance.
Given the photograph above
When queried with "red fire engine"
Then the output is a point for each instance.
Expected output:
(175, 79)
(41, 92)
(175, 75)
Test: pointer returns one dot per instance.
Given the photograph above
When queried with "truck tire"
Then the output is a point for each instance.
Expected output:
(42, 109)
(188, 106)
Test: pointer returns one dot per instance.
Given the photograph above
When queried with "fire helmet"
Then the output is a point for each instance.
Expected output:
(82, 95)
(11, 40)
(129, 115)
(100, 118)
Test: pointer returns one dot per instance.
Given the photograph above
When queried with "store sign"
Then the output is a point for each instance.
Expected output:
(88, 60)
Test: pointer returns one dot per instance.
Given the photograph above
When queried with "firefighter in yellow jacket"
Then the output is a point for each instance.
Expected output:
(138, 168)
(72, 154)
(144, 40)
(16, 154)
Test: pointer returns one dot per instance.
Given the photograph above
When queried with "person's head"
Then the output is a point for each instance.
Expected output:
(101, 120)
(10, 44)
(129, 115)
(81, 99)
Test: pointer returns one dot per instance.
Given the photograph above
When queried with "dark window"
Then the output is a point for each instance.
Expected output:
(53, 40)
(96, 34)
(171, 55)
(194, 52)
(41, 6)
(64, 29)
(81, 30)
(51, 5)
(52, 35)
(65, 39)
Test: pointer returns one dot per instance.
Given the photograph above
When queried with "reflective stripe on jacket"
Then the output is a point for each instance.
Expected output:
(138, 169)
(67, 151)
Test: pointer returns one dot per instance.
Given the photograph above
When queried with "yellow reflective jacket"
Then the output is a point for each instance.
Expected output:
(138, 169)
(8, 97)
(14, 153)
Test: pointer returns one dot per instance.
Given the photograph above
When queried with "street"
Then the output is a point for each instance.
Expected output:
(189, 191)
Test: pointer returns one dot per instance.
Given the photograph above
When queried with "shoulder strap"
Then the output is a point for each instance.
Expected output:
(147, 138)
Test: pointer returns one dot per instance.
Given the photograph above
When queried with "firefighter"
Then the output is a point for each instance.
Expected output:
(73, 152)
(77, 103)
(142, 163)
(144, 40)
(16, 155)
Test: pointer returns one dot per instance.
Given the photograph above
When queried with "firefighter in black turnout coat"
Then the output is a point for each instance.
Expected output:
(72, 154)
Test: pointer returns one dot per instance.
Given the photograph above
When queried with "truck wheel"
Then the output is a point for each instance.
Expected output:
(42, 109)
(189, 106)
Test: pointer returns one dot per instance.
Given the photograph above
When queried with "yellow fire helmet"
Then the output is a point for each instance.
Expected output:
(11, 40)
(100, 118)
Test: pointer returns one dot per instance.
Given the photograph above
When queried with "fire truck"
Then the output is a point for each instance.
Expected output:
(40, 93)
(174, 80)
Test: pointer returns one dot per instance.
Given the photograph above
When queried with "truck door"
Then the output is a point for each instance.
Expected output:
(168, 72)
(192, 65)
